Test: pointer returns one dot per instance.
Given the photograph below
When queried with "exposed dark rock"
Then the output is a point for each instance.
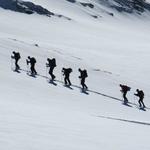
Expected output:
(24, 7)
(72, 1)
(128, 6)
(36, 45)
(94, 16)
(27, 7)
(87, 5)
(111, 14)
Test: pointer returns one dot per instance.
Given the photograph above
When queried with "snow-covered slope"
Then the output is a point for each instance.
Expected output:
(35, 114)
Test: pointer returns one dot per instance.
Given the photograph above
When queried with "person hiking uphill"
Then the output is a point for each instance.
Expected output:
(124, 90)
(83, 76)
(32, 62)
(51, 64)
(16, 57)
(140, 94)
(66, 74)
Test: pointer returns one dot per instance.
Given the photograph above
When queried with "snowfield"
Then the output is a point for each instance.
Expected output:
(35, 114)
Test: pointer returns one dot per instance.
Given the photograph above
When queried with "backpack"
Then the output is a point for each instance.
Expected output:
(69, 70)
(54, 62)
(128, 88)
(85, 74)
(17, 55)
(125, 88)
(33, 60)
(141, 93)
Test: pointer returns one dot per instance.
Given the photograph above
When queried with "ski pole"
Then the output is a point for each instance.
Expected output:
(27, 67)
(46, 72)
(79, 82)
(62, 76)
(11, 63)
(135, 99)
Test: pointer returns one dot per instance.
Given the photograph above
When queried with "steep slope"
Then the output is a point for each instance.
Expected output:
(94, 8)
(27, 7)
(38, 115)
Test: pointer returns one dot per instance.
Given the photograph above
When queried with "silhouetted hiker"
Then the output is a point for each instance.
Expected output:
(124, 90)
(16, 57)
(32, 62)
(66, 73)
(140, 94)
(83, 75)
(52, 64)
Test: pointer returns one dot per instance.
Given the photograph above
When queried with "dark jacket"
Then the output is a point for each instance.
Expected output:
(83, 74)
(124, 88)
(66, 71)
(51, 62)
(16, 55)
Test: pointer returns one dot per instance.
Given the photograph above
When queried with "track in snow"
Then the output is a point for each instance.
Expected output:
(125, 120)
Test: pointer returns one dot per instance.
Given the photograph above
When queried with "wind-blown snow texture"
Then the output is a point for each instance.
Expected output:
(35, 114)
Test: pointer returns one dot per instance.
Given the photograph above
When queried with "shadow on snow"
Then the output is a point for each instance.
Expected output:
(87, 92)
(125, 120)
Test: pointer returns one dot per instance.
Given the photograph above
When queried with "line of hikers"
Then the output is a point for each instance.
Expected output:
(139, 93)
(51, 64)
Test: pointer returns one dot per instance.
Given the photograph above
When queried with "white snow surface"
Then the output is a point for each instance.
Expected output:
(35, 114)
